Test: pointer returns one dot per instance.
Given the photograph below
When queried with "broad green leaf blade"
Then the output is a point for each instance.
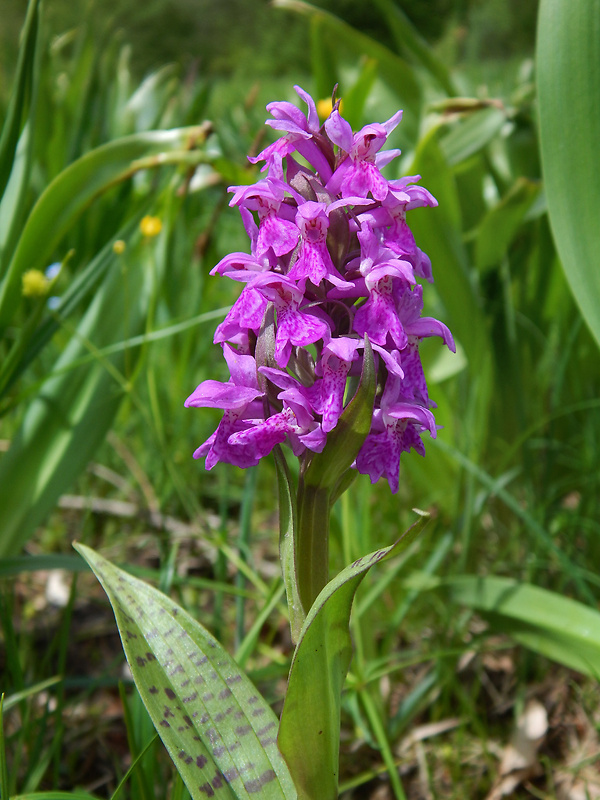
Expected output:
(309, 731)
(74, 188)
(549, 623)
(218, 729)
(568, 88)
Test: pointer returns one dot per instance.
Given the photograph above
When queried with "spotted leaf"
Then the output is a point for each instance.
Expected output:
(219, 731)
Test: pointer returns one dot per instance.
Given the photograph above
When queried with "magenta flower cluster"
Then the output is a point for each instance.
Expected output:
(332, 261)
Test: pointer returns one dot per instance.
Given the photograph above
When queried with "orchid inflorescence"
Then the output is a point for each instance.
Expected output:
(332, 272)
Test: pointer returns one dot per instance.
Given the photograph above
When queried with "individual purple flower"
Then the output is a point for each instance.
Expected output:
(358, 174)
(236, 399)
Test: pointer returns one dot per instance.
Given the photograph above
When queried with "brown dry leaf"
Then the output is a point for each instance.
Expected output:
(519, 760)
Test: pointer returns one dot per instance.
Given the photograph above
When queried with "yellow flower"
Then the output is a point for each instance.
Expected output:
(119, 246)
(324, 107)
(35, 283)
(150, 226)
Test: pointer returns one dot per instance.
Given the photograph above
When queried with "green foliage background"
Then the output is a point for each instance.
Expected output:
(91, 393)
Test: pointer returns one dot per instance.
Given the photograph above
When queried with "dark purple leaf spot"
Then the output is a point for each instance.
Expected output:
(167, 712)
(150, 656)
(170, 693)
(181, 754)
(224, 694)
(233, 679)
(191, 697)
(218, 752)
(164, 723)
(230, 774)
(207, 789)
(185, 683)
(217, 781)
(201, 761)
(256, 785)
(253, 699)
(257, 712)
(267, 741)
(204, 719)
(198, 680)
(267, 728)
(188, 721)
(242, 730)
(141, 662)
(153, 690)
(206, 698)
(219, 717)
(130, 634)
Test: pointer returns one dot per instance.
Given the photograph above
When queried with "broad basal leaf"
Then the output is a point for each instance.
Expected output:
(309, 732)
(568, 83)
(219, 731)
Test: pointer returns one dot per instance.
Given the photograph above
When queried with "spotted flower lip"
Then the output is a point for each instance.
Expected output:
(332, 263)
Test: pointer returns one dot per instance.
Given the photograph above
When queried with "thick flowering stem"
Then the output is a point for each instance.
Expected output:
(312, 541)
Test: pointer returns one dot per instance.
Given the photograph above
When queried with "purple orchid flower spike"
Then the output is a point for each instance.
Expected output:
(332, 264)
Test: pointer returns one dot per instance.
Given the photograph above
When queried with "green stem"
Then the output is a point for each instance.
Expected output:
(312, 541)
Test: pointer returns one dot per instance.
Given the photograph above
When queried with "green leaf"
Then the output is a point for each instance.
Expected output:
(568, 87)
(23, 90)
(500, 225)
(217, 728)
(75, 187)
(309, 732)
(472, 134)
(393, 69)
(288, 522)
(76, 795)
(549, 623)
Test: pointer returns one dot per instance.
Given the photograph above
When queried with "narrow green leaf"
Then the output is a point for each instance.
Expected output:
(501, 223)
(546, 622)
(21, 93)
(76, 795)
(393, 69)
(309, 731)
(408, 37)
(218, 729)
(568, 88)
(288, 522)
(472, 134)
(74, 188)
